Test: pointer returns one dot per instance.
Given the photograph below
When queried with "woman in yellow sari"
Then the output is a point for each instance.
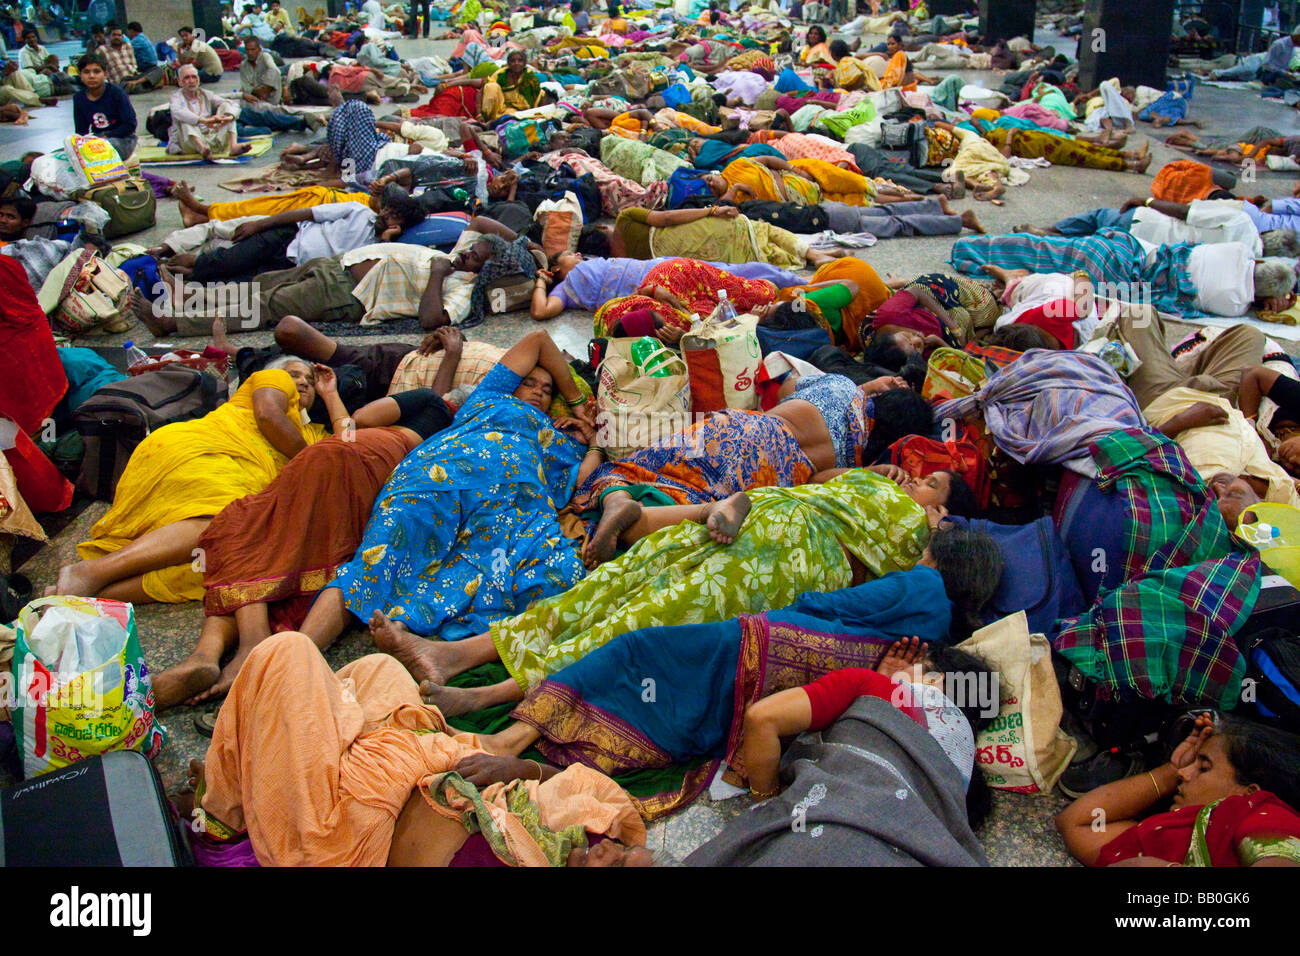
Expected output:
(764, 178)
(181, 475)
(836, 184)
(510, 89)
(818, 51)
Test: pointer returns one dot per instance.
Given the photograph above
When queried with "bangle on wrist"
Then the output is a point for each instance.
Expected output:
(577, 402)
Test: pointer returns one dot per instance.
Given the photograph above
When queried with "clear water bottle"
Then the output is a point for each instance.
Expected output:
(135, 355)
(724, 312)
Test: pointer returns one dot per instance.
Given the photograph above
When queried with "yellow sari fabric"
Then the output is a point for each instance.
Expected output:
(852, 74)
(836, 184)
(193, 470)
(770, 185)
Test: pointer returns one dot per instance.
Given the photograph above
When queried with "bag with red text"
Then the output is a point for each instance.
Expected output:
(1023, 749)
(723, 356)
(83, 685)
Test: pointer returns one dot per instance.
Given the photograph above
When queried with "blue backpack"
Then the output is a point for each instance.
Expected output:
(685, 183)
(1037, 577)
(1275, 669)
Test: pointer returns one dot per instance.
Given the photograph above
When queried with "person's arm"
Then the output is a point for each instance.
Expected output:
(679, 217)
(543, 305)
(786, 714)
(181, 112)
(327, 387)
(486, 226)
(127, 123)
(377, 414)
(1096, 818)
(453, 343)
(484, 769)
(537, 348)
(477, 84)
(271, 412)
(1256, 382)
(432, 315)
(926, 300)
(287, 218)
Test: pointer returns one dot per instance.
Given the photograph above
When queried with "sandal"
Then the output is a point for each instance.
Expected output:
(15, 592)
(206, 723)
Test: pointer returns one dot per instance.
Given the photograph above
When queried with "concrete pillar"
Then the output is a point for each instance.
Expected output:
(1250, 35)
(160, 18)
(206, 15)
(1006, 19)
(947, 8)
(1125, 39)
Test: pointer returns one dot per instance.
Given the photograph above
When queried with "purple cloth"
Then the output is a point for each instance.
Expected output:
(593, 282)
(160, 184)
(792, 104)
(234, 853)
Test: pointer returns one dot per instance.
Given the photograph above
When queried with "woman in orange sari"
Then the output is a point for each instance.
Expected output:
(871, 292)
(1234, 791)
(899, 73)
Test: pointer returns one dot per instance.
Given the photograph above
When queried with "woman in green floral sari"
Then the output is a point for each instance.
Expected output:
(748, 554)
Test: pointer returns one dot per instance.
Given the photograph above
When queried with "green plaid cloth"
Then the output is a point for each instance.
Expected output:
(1189, 585)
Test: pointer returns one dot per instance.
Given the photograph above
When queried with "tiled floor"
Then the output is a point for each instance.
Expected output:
(1020, 831)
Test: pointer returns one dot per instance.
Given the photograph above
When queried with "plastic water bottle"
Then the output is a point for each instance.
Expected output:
(135, 356)
(724, 312)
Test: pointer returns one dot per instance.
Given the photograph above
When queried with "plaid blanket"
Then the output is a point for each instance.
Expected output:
(1110, 257)
(1168, 635)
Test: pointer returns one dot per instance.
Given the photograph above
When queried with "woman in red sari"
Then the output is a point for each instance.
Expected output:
(692, 286)
(32, 385)
(1234, 786)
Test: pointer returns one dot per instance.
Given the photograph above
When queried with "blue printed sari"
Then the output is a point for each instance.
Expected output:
(466, 532)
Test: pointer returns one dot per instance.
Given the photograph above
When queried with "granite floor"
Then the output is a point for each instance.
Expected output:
(1020, 830)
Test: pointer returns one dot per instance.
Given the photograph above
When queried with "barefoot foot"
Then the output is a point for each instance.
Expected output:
(615, 518)
(724, 518)
(187, 679)
(451, 701)
(419, 655)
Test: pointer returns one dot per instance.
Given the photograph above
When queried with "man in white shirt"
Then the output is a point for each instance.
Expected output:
(1160, 223)
(292, 238)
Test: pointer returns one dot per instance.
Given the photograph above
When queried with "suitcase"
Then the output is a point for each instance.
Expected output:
(109, 810)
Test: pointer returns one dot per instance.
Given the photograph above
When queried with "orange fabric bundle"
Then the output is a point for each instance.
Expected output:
(1182, 181)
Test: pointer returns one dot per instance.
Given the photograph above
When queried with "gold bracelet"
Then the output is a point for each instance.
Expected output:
(1159, 794)
(539, 769)
(764, 794)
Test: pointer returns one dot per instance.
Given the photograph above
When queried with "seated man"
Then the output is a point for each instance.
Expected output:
(37, 60)
(354, 770)
(190, 49)
(260, 87)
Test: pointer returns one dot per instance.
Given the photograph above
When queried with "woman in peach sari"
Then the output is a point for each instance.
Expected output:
(351, 769)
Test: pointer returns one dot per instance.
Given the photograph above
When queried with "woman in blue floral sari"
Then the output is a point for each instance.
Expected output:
(466, 531)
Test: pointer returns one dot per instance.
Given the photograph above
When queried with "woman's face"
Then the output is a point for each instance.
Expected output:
(537, 389)
(515, 64)
(566, 262)
(930, 491)
(892, 45)
(305, 379)
(815, 36)
(1211, 777)
(717, 185)
(910, 341)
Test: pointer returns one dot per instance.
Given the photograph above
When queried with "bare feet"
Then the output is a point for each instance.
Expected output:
(451, 701)
(417, 654)
(192, 211)
(970, 222)
(219, 340)
(724, 518)
(187, 679)
(77, 580)
(615, 518)
(239, 149)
